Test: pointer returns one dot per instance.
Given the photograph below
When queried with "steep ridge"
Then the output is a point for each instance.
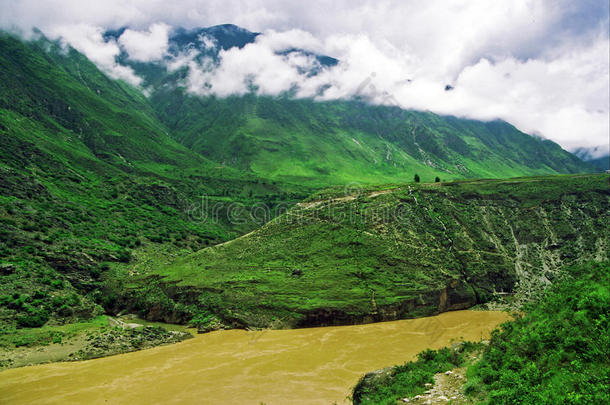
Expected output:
(401, 251)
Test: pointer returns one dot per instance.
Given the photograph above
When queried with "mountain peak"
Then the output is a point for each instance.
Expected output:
(226, 36)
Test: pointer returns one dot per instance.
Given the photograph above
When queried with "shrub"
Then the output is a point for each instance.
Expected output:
(33, 318)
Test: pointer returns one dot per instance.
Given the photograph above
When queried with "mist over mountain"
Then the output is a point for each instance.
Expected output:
(289, 138)
(553, 84)
(598, 156)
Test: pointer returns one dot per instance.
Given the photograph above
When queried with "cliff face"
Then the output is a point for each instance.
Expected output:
(404, 251)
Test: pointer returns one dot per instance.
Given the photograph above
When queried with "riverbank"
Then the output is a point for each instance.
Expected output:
(99, 337)
(436, 377)
(296, 366)
(554, 353)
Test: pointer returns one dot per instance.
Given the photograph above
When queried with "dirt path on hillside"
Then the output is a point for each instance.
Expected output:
(312, 204)
(447, 388)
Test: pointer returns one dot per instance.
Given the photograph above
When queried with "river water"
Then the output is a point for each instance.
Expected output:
(299, 366)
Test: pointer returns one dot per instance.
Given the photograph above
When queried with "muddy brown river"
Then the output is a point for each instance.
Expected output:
(299, 366)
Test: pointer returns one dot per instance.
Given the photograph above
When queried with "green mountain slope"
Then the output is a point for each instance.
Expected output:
(338, 142)
(101, 188)
(89, 176)
(602, 163)
(335, 142)
(401, 251)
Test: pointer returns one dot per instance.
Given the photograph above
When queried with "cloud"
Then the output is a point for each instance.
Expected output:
(539, 64)
(146, 46)
(257, 66)
(89, 41)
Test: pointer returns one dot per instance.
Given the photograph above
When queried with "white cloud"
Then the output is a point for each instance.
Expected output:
(89, 41)
(208, 42)
(146, 46)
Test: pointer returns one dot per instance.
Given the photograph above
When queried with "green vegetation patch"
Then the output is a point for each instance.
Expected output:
(554, 353)
(388, 386)
(557, 353)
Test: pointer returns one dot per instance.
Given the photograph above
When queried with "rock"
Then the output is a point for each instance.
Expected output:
(443, 398)
(448, 372)
(7, 268)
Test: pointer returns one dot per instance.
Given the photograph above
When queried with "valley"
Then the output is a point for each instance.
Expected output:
(275, 248)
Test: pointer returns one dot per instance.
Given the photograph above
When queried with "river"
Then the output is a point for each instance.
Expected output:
(299, 366)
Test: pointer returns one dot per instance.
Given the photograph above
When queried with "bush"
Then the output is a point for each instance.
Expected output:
(65, 311)
(33, 318)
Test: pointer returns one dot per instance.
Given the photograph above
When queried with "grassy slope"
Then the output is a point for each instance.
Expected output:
(339, 142)
(393, 253)
(391, 385)
(557, 353)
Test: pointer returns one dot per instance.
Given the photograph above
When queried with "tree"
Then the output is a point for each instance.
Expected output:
(416, 178)
(437, 179)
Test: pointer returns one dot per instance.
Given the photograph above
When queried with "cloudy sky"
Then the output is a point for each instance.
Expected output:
(542, 65)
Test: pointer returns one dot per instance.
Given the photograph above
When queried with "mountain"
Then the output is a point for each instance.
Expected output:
(384, 253)
(602, 163)
(334, 142)
(349, 141)
(592, 157)
(89, 176)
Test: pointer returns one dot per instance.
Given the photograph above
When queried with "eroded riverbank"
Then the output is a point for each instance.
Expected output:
(299, 366)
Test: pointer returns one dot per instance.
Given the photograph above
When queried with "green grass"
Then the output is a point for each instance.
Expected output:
(100, 189)
(341, 142)
(89, 176)
(50, 333)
